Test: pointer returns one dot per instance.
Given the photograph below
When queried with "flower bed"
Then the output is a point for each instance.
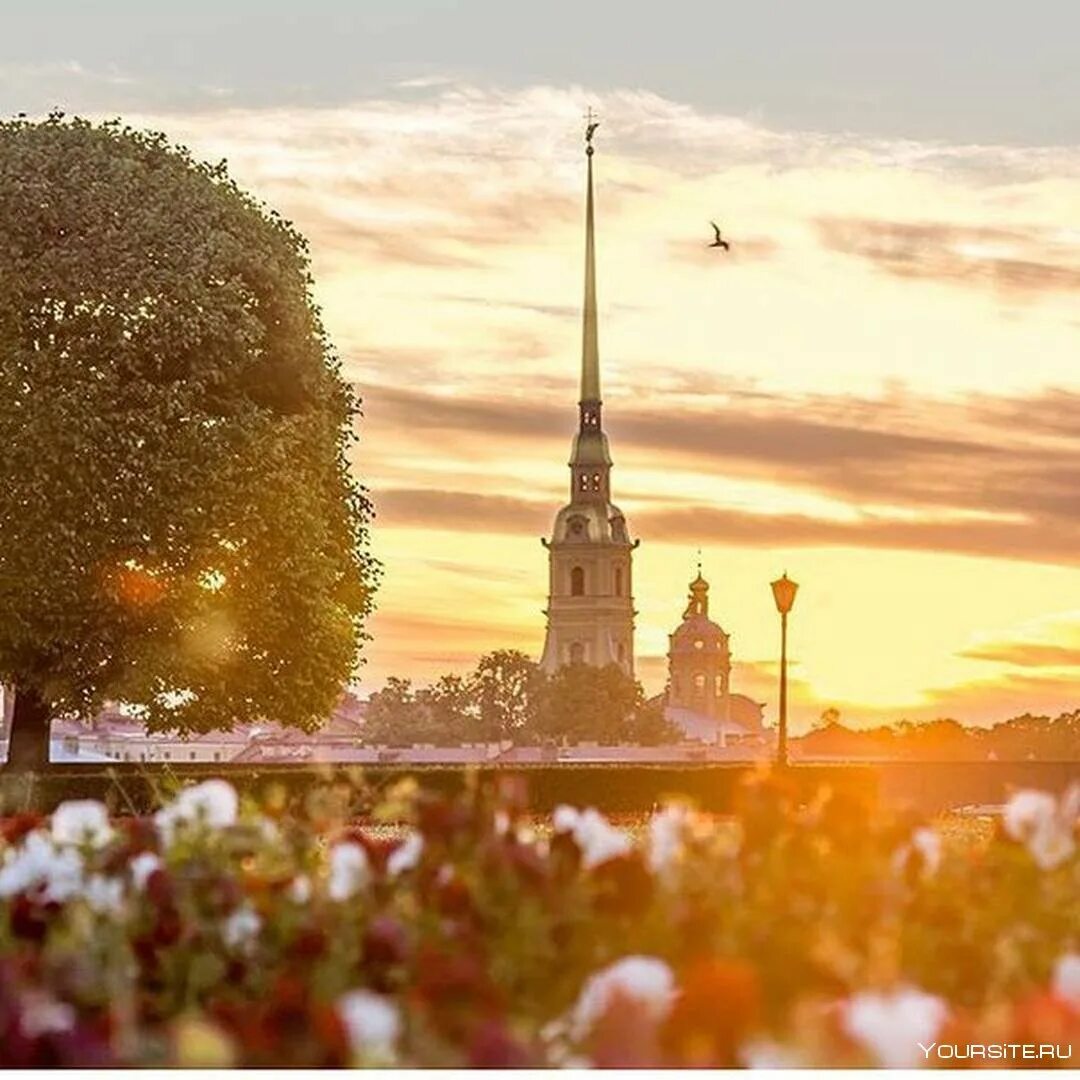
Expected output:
(287, 934)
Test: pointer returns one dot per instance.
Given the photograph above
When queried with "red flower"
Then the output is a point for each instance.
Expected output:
(625, 1036)
(1045, 1018)
(385, 942)
(14, 828)
(455, 990)
(30, 919)
(493, 1047)
(719, 1006)
(309, 944)
(442, 819)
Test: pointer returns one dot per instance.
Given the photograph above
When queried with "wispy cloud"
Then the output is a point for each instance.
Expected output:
(884, 363)
(1015, 261)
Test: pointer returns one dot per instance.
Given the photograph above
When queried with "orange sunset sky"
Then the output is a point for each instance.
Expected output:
(878, 390)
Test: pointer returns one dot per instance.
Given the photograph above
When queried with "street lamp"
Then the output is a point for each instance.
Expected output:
(783, 590)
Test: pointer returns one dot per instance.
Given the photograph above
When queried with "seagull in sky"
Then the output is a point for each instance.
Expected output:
(719, 242)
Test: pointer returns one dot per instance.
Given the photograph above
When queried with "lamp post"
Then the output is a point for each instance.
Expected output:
(783, 590)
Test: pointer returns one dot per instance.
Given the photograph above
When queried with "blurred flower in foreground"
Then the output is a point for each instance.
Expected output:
(891, 1025)
(241, 928)
(213, 804)
(718, 1008)
(596, 837)
(38, 863)
(406, 855)
(644, 980)
(200, 1044)
(373, 1023)
(349, 870)
(81, 821)
(1066, 979)
(1043, 824)
(923, 850)
(142, 866)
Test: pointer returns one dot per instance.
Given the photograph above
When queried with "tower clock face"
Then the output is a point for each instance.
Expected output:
(577, 527)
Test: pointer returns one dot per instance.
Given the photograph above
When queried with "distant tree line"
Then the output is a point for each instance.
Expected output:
(1026, 737)
(507, 696)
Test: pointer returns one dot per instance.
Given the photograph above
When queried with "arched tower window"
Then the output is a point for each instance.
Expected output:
(622, 653)
(577, 653)
(618, 581)
(577, 581)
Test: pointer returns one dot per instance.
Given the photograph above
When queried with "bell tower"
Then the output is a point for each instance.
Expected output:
(590, 611)
(699, 658)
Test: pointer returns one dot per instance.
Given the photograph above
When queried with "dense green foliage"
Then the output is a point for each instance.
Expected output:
(178, 526)
(507, 696)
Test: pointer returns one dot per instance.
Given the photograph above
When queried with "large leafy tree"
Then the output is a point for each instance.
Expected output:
(580, 702)
(178, 525)
(505, 686)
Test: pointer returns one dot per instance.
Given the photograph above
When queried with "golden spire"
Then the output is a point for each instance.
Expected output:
(590, 349)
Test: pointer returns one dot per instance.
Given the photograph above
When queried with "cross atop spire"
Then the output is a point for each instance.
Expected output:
(592, 122)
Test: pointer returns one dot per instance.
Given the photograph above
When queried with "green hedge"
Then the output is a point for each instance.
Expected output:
(928, 786)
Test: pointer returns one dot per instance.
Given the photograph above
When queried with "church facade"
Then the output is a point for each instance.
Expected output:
(590, 606)
(699, 699)
(590, 609)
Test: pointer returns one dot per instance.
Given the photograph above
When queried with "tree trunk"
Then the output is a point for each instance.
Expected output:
(28, 745)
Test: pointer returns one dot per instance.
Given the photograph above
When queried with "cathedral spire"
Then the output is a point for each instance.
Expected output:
(590, 460)
(590, 349)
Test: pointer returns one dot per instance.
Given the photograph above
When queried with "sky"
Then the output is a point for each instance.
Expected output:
(877, 390)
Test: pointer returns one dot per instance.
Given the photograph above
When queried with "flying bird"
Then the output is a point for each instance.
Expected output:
(719, 242)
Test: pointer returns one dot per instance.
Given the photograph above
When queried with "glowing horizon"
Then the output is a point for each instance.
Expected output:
(873, 391)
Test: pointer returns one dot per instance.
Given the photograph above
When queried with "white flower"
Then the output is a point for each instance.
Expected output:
(1051, 847)
(1026, 812)
(81, 821)
(267, 828)
(241, 928)
(299, 891)
(37, 862)
(667, 836)
(645, 980)
(349, 870)
(1066, 979)
(213, 803)
(373, 1024)
(892, 1025)
(42, 1014)
(406, 855)
(105, 895)
(141, 867)
(765, 1054)
(1043, 825)
(565, 818)
(927, 843)
(597, 838)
